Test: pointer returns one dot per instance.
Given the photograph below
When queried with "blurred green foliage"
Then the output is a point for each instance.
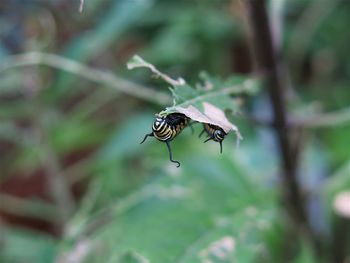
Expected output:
(130, 204)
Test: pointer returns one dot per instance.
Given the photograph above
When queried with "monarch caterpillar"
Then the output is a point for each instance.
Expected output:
(214, 132)
(166, 128)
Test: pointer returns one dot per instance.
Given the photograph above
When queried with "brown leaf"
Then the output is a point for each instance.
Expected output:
(212, 115)
(194, 114)
(218, 118)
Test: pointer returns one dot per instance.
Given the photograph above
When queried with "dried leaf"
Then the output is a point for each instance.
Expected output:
(207, 102)
(194, 114)
(211, 115)
(218, 118)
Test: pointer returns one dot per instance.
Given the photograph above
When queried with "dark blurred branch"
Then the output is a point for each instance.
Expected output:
(267, 61)
(99, 76)
(340, 239)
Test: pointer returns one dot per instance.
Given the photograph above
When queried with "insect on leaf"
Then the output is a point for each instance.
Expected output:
(208, 100)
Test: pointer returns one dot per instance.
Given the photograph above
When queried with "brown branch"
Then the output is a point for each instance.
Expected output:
(267, 61)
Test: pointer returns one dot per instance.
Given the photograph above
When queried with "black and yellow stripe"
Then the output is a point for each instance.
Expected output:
(214, 133)
(166, 128)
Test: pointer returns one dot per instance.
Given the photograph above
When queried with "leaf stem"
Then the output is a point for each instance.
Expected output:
(245, 87)
(138, 62)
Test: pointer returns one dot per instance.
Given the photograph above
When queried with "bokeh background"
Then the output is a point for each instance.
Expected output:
(76, 186)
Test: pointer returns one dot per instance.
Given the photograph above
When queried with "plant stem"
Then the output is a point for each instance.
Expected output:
(267, 61)
(314, 121)
(25, 207)
(340, 239)
(96, 75)
(325, 120)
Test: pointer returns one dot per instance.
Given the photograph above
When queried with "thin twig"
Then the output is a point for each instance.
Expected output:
(326, 120)
(247, 87)
(315, 121)
(99, 76)
(138, 62)
(27, 208)
(78, 253)
(81, 6)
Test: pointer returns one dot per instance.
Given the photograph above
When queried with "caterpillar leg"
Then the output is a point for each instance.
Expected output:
(150, 135)
(170, 155)
(191, 127)
(210, 138)
(201, 133)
